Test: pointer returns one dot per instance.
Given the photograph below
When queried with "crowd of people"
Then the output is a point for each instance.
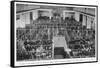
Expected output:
(82, 40)
(34, 42)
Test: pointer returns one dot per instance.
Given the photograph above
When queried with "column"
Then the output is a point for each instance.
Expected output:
(77, 16)
(35, 14)
(88, 22)
(84, 20)
(27, 18)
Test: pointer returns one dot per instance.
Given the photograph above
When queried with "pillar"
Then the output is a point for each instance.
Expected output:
(35, 14)
(77, 16)
(84, 20)
(88, 22)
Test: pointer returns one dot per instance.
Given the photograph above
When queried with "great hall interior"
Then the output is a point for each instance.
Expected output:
(54, 32)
